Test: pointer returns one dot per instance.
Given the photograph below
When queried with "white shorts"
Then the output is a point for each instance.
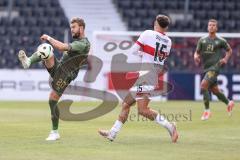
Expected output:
(147, 83)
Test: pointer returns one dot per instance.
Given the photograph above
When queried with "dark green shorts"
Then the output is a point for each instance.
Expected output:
(211, 77)
(60, 77)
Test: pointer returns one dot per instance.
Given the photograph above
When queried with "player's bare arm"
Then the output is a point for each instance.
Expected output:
(56, 43)
(228, 54)
(197, 57)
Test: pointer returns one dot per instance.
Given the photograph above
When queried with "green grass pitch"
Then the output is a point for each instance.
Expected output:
(25, 125)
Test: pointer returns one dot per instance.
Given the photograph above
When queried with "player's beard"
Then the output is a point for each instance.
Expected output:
(76, 35)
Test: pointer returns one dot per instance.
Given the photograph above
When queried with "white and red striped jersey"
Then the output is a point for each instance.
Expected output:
(154, 46)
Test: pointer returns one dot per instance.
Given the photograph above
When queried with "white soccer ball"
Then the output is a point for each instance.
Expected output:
(45, 51)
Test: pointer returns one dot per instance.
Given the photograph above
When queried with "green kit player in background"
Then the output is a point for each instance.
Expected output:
(62, 74)
(209, 52)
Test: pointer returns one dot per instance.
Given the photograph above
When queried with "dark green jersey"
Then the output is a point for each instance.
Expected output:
(211, 52)
(76, 48)
(76, 56)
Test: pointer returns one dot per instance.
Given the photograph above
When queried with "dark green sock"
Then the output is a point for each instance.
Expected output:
(35, 58)
(222, 98)
(206, 98)
(54, 114)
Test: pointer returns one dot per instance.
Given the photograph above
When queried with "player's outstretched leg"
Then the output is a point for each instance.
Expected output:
(206, 98)
(27, 61)
(230, 104)
(112, 133)
(53, 100)
(159, 119)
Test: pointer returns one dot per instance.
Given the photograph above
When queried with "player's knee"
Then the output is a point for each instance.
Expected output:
(204, 85)
(128, 101)
(215, 90)
(125, 106)
(54, 96)
(143, 111)
(203, 88)
(54, 117)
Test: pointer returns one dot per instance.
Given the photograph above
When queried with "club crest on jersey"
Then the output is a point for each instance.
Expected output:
(211, 74)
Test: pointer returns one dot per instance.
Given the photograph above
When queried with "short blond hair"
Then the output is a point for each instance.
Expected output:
(79, 21)
(213, 20)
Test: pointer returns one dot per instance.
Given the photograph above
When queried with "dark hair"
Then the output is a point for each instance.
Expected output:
(79, 21)
(163, 21)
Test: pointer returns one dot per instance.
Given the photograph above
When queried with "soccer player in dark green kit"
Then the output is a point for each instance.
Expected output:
(61, 73)
(209, 52)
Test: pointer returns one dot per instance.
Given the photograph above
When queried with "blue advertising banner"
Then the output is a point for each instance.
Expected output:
(187, 86)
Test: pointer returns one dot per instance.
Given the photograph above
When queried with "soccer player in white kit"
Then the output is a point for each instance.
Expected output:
(154, 46)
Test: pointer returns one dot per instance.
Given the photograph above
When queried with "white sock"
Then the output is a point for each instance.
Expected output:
(207, 110)
(117, 126)
(163, 122)
(54, 131)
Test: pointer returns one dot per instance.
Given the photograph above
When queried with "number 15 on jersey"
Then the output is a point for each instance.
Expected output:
(159, 54)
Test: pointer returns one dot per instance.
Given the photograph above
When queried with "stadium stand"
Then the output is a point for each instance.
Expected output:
(22, 31)
(199, 10)
(139, 16)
